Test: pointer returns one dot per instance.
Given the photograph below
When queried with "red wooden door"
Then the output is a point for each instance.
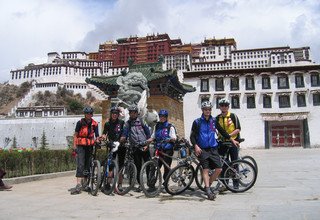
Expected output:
(286, 135)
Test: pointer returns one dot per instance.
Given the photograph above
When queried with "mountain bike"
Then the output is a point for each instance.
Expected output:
(150, 175)
(128, 173)
(93, 179)
(110, 169)
(181, 176)
(248, 158)
(237, 176)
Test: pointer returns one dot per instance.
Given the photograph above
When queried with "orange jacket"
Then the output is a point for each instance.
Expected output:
(85, 138)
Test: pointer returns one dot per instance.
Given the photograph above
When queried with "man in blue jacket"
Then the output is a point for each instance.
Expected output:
(164, 136)
(203, 138)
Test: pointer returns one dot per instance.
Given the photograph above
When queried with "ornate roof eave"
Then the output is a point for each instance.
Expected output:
(152, 72)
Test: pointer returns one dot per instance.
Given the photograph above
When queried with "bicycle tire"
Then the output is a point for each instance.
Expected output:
(179, 179)
(251, 160)
(95, 178)
(199, 180)
(150, 179)
(242, 171)
(109, 188)
(127, 176)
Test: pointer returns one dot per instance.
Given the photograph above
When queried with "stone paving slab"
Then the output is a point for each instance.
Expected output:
(287, 188)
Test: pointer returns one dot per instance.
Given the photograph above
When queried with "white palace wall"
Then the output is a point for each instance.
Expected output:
(56, 129)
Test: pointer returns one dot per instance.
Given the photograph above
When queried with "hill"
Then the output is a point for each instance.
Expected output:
(10, 95)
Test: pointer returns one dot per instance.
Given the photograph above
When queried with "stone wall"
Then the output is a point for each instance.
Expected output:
(57, 130)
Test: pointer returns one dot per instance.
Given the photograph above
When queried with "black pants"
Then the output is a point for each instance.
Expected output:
(233, 154)
(138, 156)
(83, 160)
(168, 160)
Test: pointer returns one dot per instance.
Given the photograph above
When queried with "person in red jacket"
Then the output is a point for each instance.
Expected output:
(2, 185)
(85, 135)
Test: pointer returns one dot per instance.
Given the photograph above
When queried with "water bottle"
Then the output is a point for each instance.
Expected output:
(183, 152)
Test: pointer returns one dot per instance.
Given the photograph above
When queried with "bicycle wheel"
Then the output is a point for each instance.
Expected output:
(110, 177)
(126, 179)
(150, 179)
(251, 160)
(95, 177)
(199, 179)
(239, 176)
(179, 179)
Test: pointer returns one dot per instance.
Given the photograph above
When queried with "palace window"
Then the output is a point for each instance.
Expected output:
(284, 101)
(250, 83)
(251, 101)
(266, 82)
(235, 102)
(219, 84)
(283, 82)
(315, 81)
(301, 99)
(204, 85)
(299, 81)
(234, 83)
(217, 101)
(267, 101)
(316, 99)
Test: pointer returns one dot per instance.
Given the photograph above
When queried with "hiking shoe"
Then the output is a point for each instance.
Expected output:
(120, 187)
(76, 190)
(138, 189)
(107, 187)
(211, 196)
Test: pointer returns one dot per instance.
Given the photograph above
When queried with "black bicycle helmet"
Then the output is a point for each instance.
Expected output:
(133, 108)
(88, 110)
(114, 109)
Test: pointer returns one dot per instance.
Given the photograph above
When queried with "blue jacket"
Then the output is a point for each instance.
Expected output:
(204, 132)
(162, 132)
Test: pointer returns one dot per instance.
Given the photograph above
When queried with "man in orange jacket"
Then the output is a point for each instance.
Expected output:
(86, 133)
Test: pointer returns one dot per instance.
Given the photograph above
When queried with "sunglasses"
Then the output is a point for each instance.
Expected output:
(224, 105)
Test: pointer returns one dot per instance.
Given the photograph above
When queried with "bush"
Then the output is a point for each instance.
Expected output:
(23, 162)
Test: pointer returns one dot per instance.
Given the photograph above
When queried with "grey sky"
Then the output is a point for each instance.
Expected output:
(30, 29)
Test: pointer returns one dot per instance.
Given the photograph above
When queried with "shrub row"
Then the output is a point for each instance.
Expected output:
(27, 163)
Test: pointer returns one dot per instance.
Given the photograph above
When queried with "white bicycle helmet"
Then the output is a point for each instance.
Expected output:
(224, 101)
(206, 104)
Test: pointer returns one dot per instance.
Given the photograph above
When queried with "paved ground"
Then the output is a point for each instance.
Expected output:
(288, 187)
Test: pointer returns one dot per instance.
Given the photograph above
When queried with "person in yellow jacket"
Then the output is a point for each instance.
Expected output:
(230, 123)
(86, 133)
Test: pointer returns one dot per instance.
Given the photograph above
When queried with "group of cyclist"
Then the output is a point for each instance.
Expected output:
(137, 133)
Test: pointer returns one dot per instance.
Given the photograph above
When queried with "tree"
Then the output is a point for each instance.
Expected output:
(14, 142)
(75, 106)
(43, 143)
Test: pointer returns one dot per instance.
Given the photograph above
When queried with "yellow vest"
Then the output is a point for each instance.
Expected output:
(227, 124)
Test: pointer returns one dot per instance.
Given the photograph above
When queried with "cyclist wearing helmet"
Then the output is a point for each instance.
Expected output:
(206, 145)
(137, 133)
(230, 123)
(83, 140)
(164, 136)
(112, 131)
